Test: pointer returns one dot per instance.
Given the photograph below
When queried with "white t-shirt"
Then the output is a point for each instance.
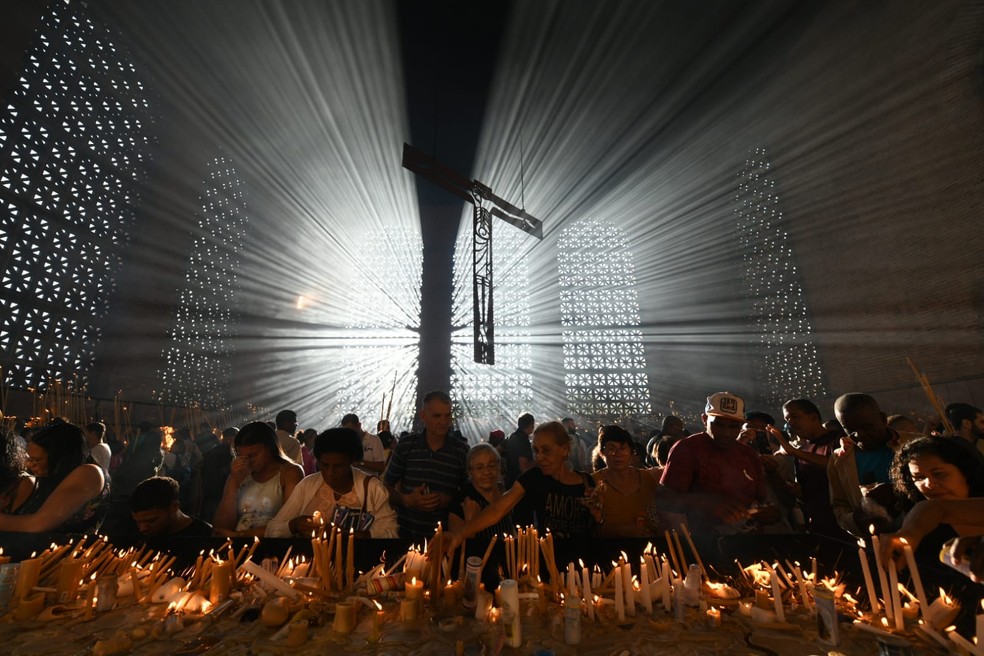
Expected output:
(372, 448)
(101, 454)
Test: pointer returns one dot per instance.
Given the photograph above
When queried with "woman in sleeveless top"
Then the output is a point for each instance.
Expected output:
(70, 493)
(626, 494)
(556, 493)
(260, 479)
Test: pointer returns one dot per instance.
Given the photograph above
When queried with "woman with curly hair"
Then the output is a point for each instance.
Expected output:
(930, 471)
(937, 468)
(16, 484)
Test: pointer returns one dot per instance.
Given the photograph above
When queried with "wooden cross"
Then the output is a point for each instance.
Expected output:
(486, 205)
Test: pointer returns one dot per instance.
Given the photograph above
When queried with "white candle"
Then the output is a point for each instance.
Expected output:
(963, 643)
(667, 598)
(586, 589)
(869, 583)
(910, 559)
(647, 600)
(619, 598)
(628, 589)
(776, 594)
(893, 581)
(802, 586)
(886, 591)
(713, 616)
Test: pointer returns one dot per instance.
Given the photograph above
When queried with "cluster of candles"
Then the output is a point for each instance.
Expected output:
(888, 613)
(87, 576)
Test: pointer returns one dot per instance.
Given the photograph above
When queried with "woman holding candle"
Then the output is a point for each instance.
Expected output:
(557, 494)
(261, 479)
(937, 469)
(337, 485)
(482, 489)
(16, 484)
(70, 494)
(626, 494)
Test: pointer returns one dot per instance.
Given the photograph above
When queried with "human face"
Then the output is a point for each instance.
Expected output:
(802, 424)
(37, 460)
(938, 479)
(978, 428)
(550, 456)
(256, 455)
(483, 470)
(617, 455)
(336, 471)
(154, 522)
(869, 424)
(436, 416)
(723, 429)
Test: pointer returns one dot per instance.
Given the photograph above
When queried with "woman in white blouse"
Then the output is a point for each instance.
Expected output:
(338, 492)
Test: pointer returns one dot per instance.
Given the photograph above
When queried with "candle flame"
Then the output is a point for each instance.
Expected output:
(884, 622)
(206, 606)
(379, 606)
(871, 529)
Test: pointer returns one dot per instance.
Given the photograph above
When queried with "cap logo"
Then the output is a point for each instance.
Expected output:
(729, 405)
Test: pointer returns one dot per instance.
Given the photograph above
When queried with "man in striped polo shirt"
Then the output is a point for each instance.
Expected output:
(426, 470)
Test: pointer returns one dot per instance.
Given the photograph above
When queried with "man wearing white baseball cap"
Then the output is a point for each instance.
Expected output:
(725, 477)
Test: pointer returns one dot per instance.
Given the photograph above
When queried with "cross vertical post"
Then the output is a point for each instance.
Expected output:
(482, 198)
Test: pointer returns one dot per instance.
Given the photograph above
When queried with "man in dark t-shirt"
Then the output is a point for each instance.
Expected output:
(156, 510)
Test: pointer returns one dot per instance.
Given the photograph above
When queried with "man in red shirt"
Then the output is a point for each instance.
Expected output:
(725, 477)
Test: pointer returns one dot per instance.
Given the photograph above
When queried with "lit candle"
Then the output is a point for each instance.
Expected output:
(3, 559)
(647, 600)
(910, 559)
(69, 578)
(483, 604)
(377, 623)
(713, 616)
(628, 589)
(802, 586)
(90, 598)
(665, 583)
(586, 589)
(962, 642)
(868, 581)
(414, 592)
(619, 597)
(776, 594)
(221, 581)
(350, 564)
(883, 581)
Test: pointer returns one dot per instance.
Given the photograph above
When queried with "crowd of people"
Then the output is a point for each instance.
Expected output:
(740, 473)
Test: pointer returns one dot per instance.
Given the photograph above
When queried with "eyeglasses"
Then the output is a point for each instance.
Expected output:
(616, 449)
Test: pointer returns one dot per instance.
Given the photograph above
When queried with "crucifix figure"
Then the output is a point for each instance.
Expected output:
(486, 205)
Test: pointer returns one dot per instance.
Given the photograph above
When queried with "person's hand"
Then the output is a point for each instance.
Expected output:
(892, 545)
(303, 525)
(452, 540)
(765, 514)
(785, 448)
(239, 470)
(419, 498)
(883, 494)
(469, 508)
(971, 550)
(725, 510)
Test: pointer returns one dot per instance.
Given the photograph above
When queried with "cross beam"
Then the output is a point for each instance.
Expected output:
(486, 205)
